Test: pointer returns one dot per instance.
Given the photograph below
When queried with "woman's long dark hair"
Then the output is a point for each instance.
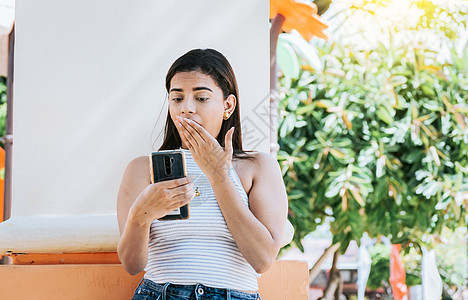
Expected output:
(215, 65)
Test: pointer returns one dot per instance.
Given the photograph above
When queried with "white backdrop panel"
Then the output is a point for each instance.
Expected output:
(89, 87)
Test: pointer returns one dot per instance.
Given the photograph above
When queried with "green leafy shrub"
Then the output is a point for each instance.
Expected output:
(376, 142)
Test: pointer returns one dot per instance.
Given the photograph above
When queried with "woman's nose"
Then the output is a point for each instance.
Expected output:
(188, 106)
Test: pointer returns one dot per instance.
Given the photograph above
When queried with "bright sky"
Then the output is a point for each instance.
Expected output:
(362, 29)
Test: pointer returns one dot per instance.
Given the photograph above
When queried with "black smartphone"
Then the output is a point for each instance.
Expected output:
(167, 165)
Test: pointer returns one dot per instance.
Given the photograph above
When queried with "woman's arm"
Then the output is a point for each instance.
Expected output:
(133, 244)
(258, 231)
(139, 202)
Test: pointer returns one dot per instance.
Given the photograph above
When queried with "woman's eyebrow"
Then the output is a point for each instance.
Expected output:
(200, 88)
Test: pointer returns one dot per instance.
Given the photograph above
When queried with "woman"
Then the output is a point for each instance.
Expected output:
(236, 221)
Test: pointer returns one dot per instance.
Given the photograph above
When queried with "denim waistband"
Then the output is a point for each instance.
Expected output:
(197, 290)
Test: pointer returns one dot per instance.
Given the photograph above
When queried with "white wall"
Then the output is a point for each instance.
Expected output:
(89, 86)
(7, 16)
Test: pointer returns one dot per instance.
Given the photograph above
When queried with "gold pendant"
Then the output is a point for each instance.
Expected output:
(197, 192)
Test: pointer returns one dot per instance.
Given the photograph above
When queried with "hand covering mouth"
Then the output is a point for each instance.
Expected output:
(196, 122)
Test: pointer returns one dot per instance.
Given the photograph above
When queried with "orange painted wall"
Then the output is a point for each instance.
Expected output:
(64, 258)
(2, 182)
(66, 282)
(286, 280)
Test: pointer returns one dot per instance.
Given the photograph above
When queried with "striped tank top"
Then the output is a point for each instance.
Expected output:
(200, 249)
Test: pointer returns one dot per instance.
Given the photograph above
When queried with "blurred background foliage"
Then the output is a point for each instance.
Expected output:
(373, 131)
(378, 142)
(450, 255)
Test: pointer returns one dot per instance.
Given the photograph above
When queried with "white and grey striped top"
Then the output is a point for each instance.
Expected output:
(200, 249)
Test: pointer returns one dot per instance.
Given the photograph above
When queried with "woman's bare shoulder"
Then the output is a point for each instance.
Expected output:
(257, 158)
(138, 170)
(264, 163)
(259, 165)
(135, 179)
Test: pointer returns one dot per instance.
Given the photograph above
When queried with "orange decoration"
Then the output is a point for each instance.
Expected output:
(300, 16)
(397, 274)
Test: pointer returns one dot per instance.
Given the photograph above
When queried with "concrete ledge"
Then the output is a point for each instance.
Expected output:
(285, 280)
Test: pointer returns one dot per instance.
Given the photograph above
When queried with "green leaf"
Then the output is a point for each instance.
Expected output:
(287, 59)
(398, 80)
(384, 115)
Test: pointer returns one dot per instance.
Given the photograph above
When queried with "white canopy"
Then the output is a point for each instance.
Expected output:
(89, 90)
(7, 18)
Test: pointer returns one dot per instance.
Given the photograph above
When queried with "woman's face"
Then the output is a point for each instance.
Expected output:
(196, 96)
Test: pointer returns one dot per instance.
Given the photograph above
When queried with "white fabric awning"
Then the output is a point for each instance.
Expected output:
(59, 234)
(7, 18)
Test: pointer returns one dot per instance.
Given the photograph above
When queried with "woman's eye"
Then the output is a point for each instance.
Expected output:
(177, 99)
(202, 98)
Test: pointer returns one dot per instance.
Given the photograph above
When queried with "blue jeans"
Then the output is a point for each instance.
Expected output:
(149, 290)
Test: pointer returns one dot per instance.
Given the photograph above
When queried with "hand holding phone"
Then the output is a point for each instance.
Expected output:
(168, 165)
